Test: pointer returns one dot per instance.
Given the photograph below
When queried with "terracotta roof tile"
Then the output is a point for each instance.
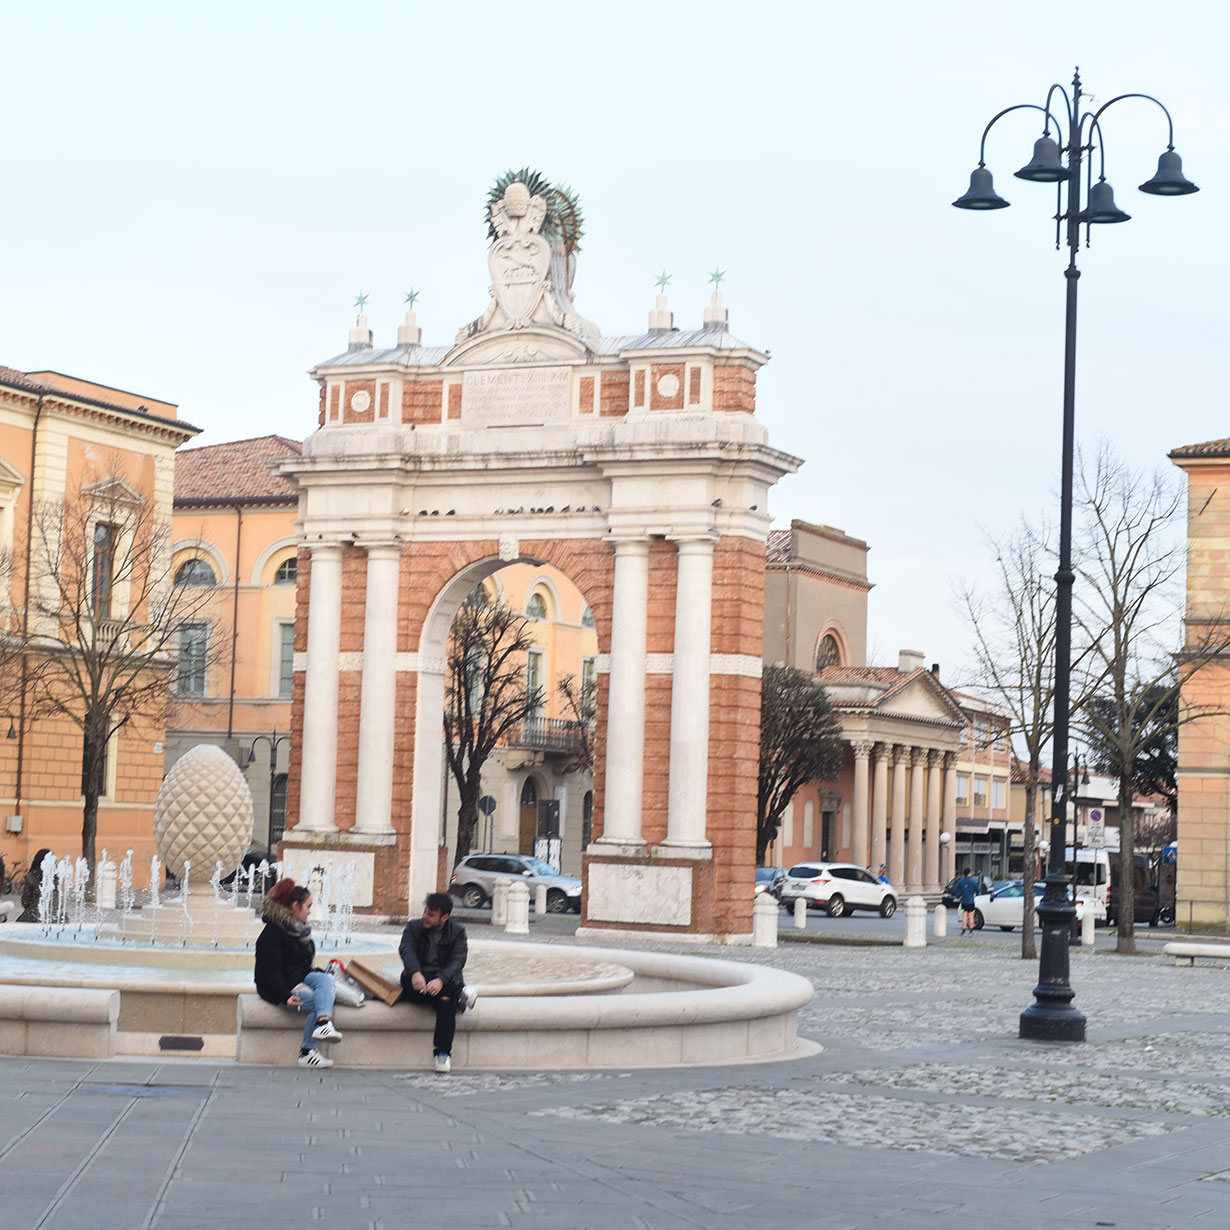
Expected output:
(1210, 448)
(236, 470)
(777, 547)
(10, 375)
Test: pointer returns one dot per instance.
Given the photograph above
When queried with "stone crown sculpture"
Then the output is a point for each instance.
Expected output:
(203, 814)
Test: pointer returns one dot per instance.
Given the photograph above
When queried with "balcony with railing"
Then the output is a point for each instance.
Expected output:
(548, 735)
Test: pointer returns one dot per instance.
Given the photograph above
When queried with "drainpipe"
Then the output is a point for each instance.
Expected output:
(230, 707)
(25, 614)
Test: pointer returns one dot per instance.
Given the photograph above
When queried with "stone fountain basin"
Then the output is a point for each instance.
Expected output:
(607, 1007)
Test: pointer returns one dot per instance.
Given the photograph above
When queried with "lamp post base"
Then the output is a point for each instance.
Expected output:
(1052, 1017)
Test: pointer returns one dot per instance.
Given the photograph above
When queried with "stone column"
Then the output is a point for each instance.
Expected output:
(950, 812)
(931, 871)
(374, 796)
(860, 822)
(688, 796)
(318, 778)
(914, 858)
(896, 857)
(625, 724)
(879, 808)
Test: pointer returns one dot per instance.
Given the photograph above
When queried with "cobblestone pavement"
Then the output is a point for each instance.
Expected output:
(922, 1109)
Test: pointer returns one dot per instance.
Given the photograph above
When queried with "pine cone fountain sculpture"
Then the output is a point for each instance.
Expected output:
(203, 814)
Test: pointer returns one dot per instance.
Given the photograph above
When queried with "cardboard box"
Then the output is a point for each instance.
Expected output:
(373, 982)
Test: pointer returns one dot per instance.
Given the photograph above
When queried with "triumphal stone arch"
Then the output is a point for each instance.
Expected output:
(634, 464)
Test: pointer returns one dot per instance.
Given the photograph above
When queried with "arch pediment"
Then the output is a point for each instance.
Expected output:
(518, 346)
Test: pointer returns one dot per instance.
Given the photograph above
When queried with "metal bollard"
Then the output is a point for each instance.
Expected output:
(499, 904)
(518, 909)
(540, 900)
(764, 922)
(800, 913)
(940, 930)
(1087, 925)
(915, 923)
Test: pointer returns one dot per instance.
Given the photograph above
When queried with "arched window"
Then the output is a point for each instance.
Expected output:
(529, 793)
(288, 571)
(828, 653)
(587, 818)
(587, 618)
(195, 572)
(536, 607)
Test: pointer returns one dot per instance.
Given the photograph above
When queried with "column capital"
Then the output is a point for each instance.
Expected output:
(384, 549)
(862, 748)
(693, 542)
(325, 547)
(918, 756)
(901, 753)
(628, 544)
(950, 760)
(934, 757)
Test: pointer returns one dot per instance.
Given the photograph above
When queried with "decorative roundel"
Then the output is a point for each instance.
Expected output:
(668, 386)
(361, 402)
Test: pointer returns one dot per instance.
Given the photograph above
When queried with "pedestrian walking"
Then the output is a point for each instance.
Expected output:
(965, 890)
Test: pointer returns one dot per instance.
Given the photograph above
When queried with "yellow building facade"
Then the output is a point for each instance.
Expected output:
(64, 440)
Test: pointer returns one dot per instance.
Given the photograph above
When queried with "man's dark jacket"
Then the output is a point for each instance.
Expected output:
(450, 952)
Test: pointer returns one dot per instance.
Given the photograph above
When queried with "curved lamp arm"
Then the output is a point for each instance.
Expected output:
(1121, 97)
(982, 145)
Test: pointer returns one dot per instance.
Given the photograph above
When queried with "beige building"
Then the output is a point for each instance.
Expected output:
(1203, 882)
(99, 454)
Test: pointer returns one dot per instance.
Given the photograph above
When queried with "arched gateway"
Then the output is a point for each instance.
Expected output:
(633, 464)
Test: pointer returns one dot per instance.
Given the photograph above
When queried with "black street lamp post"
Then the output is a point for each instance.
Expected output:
(1052, 1017)
(274, 740)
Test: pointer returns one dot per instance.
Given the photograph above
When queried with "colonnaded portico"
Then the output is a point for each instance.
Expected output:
(633, 464)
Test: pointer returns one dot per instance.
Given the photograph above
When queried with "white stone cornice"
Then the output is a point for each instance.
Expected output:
(746, 666)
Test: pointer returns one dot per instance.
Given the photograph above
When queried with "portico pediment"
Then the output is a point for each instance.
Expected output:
(916, 697)
(518, 346)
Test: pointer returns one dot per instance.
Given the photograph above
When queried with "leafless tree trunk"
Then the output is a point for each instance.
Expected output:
(1014, 653)
(486, 697)
(105, 622)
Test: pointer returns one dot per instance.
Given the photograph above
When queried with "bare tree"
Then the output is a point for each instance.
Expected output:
(1014, 652)
(486, 697)
(800, 742)
(1132, 562)
(106, 626)
(581, 701)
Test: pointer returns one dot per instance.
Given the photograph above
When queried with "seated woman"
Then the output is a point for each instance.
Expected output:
(284, 973)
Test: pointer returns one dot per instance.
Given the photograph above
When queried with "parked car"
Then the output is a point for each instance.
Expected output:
(838, 888)
(1005, 907)
(950, 902)
(474, 879)
(769, 880)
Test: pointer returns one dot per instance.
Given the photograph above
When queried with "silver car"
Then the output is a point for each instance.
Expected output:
(475, 877)
(838, 888)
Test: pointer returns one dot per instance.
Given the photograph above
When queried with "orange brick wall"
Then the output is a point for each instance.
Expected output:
(734, 388)
(421, 401)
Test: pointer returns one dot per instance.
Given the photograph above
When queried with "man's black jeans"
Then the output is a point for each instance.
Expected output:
(445, 1005)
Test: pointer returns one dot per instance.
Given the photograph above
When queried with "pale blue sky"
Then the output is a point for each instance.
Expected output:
(192, 197)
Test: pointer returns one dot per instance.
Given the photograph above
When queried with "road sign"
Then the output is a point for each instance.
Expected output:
(1096, 828)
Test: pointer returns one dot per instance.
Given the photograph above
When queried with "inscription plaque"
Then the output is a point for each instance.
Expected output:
(516, 397)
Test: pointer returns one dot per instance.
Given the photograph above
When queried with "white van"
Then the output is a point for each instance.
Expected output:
(1092, 871)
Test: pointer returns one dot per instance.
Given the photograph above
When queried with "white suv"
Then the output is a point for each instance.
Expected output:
(838, 888)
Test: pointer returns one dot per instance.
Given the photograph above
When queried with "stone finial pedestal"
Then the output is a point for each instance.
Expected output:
(940, 930)
(764, 922)
(518, 909)
(915, 923)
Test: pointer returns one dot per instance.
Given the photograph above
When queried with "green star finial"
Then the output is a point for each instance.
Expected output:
(662, 281)
(716, 277)
(411, 296)
(361, 301)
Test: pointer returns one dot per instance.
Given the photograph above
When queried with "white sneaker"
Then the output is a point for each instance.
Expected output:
(467, 999)
(444, 1063)
(314, 1059)
(324, 1032)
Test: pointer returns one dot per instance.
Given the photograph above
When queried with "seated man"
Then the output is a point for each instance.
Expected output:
(433, 956)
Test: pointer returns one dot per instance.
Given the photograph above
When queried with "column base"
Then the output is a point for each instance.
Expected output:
(377, 887)
(659, 891)
(604, 846)
(685, 849)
